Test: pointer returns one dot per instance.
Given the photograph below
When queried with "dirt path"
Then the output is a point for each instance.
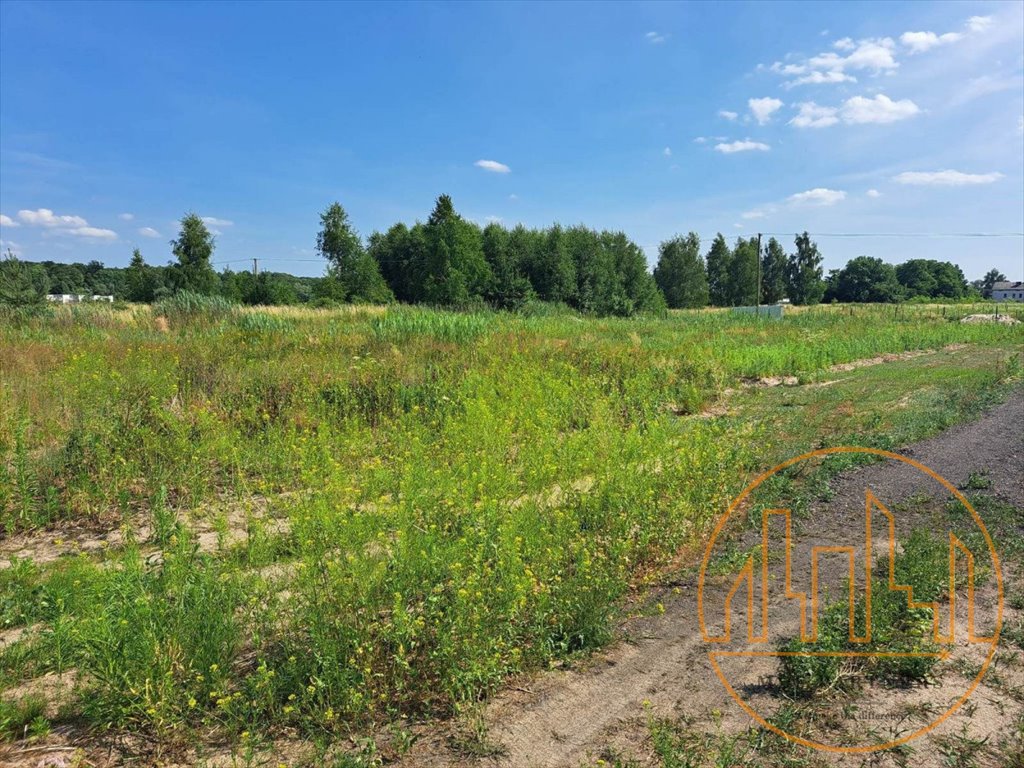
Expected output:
(565, 718)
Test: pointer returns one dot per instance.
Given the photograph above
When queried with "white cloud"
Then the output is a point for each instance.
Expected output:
(727, 114)
(654, 38)
(874, 55)
(946, 178)
(754, 214)
(93, 232)
(879, 109)
(213, 221)
(513, 197)
(7, 221)
(64, 225)
(873, 193)
(667, 151)
(493, 166)
(818, 77)
(817, 196)
(919, 42)
(741, 146)
(126, 216)
(10, 245)
(700, 140)
(812, 115)
(492, 219)
(979, 23)
(148, 232)
(763, 108)
(44, 217)
(857, 110)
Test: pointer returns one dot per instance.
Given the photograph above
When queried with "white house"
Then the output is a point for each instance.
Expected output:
(1006, 290)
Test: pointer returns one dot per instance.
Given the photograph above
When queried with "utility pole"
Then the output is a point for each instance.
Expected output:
(255, 268)
(757, 310)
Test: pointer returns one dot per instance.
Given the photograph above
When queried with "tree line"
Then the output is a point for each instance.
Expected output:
(453, 262)
(728, 276)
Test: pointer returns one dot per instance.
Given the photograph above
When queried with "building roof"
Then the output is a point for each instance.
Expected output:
(1007, 285)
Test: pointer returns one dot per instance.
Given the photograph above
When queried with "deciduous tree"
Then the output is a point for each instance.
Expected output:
(804, 283)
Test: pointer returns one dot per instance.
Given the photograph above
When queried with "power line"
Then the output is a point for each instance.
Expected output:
(902, 234)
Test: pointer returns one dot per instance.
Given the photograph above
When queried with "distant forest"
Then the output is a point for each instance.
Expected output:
(452, 262)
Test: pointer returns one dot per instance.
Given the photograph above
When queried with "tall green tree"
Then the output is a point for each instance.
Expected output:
(719, 267)
(21, 284)
(917, 278)
(400, 254)
(774, 264)
(551, 269)
(357, 273)
(510, 288)
(804, 283)
(455, 271)
(991, 277)
(193, 249)
(681, 274)
(636, 290)
(932, 279)
(866, 279)
(742, 280)
(141, 280)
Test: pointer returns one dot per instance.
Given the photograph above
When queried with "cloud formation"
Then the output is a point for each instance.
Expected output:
(7, 221)
(64, 225)
(857, 110)
(817, 196)
(94, 232)
(741, 146)
(812, 115)
(148, 232)
(946, 178)
(126, 216)
(979, 23)
(727, 114)
(874, 55)
(213, 221)
(873, 193)
(44, 217)
(919, 42)
(655, 38)
(763, 108)
(493, 166)
(878, 109)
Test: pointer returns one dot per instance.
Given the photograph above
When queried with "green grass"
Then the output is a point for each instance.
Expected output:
(412, 504)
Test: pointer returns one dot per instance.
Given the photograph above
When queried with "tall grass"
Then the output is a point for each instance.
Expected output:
(411, 504)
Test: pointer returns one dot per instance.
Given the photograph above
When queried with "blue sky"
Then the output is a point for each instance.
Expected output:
(115, 119)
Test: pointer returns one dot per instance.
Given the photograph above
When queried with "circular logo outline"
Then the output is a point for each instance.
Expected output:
(750, 488)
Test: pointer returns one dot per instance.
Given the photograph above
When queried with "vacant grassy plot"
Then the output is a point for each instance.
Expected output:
(306, 521)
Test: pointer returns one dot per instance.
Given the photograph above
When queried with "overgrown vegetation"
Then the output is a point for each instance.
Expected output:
(312, 520)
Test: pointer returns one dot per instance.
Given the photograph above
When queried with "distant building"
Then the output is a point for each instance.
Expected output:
(1006, 290)
(76, 298)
